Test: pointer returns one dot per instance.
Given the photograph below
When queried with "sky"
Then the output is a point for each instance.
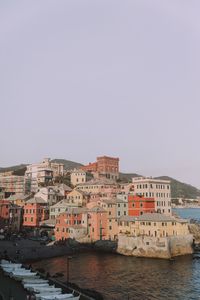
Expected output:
(84, 78)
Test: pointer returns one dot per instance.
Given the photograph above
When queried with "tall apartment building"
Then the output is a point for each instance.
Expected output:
(105, 166)
(43, 172)
(15, 184)
(158, 189)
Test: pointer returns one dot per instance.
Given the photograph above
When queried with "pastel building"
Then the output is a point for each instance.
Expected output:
(122, 205)
(97, 223)
(158, 189)
(10, 216)
(101, 186)
(43, 173)
(153, 225)
(15, 184)
(77, 198)
(139, 205)
(71, 221)
(35, 211)
(77, 177)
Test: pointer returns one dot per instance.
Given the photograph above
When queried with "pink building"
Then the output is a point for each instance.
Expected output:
(97, 223)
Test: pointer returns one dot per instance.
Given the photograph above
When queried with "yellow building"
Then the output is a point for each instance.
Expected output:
(77, 198)
(154, 225)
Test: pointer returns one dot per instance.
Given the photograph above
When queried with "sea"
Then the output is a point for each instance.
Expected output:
(119, 277)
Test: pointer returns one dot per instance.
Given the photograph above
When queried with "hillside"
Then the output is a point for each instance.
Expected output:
(68, 164)
(179, 189)
(18, 170)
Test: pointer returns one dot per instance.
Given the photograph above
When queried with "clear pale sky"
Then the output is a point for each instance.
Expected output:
(84, 78)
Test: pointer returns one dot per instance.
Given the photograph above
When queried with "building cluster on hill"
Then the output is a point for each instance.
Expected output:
(95, 205)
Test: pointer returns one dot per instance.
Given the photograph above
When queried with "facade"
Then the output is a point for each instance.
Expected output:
(122, 205)
(19, 199)
(58, 208)
(77, 177)
(153, 225)
(10, 216)
(49, 194)
(139, 205)
(97, 223)
(68, 220)
(15, 184)
(105, 166)
(101, 186)
(110, 207)
(43, 173)
(77, 198)
(35, 211)
(158, 189)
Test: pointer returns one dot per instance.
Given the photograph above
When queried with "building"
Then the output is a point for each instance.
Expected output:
(77, 177)
(153, 225)
(19, 199)
(139, 205)
(15, 185)
(77, 198)
(50, 194)
(104, 187)
(69, 222)
(43, 173)
(97, 223)
(158, 189)
(110, 206)
(105, 166)
(35, 211)
(122, 205)
(10, 216)
(58, 208)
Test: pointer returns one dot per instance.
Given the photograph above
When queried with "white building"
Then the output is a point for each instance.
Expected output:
(122, 205)
(43, 172)
(158, 189)
(77, 177)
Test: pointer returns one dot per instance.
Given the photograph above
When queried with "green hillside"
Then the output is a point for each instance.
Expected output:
(180, 189)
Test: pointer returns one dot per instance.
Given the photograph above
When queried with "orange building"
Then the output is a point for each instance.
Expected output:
(10, 216)
(72, 217)
(105, 166)
(138, 205)
(97, 223)
(35, 211)
(4, 212)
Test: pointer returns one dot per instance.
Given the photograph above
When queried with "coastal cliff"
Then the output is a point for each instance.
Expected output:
(144, 246)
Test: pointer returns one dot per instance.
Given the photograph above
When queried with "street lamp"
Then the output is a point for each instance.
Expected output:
(68, 258)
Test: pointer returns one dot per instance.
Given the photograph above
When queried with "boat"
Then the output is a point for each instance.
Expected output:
(42, 294)
(34, 280)
(60, 297)
(21, 275)
(11, 265)
(29, 286)
(49, 289)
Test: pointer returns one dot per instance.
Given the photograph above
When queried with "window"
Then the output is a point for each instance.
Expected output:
(110, 227)
(31, 219)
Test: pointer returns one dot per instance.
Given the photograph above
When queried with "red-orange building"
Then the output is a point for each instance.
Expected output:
(105, 166)
(35, 211)
(138, 205)
(10, 216)
(72, 217)
(4, 212)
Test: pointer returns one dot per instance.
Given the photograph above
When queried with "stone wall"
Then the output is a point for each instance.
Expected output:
(145, 246)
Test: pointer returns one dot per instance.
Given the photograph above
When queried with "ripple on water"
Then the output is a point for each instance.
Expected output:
(118, 277)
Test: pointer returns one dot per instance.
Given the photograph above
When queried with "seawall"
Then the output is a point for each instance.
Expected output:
(152, 247)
